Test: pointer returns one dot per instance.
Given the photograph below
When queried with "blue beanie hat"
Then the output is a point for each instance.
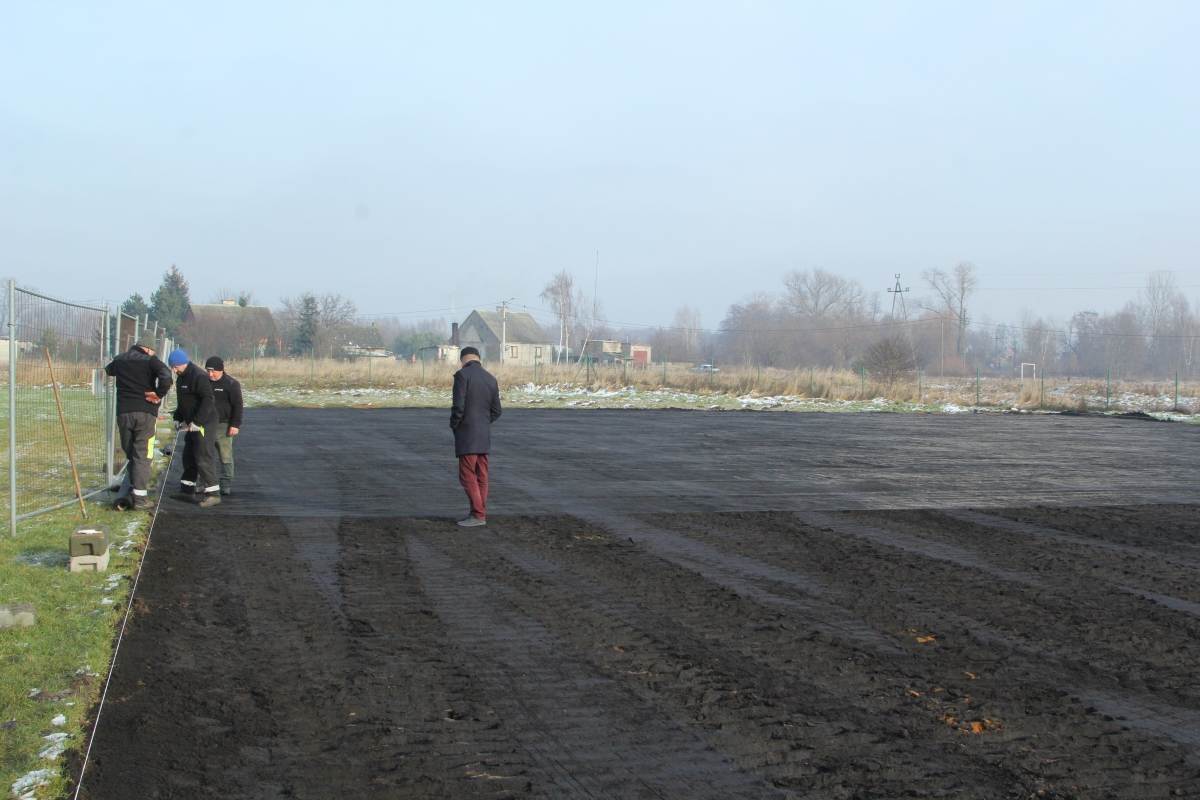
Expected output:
(177, 358)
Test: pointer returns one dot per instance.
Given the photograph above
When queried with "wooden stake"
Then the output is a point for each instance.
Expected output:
(66, 437)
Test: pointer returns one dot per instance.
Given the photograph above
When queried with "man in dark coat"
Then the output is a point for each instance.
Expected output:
(142, 382)
(227, 391)
(196, 413)
(475, 406)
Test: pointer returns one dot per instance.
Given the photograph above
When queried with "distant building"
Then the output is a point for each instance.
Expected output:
(606, 351)
(229, 330)
(360, 341)
(511, 337)
(440, 352)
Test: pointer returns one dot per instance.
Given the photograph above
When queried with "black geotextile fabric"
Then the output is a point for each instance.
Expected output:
(400, 462)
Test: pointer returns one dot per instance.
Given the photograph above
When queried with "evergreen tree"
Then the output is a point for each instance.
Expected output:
(171, 301)
(308, 325)
(135, 306)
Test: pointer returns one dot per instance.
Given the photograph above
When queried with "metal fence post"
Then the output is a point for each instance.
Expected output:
(110, 416)
(863, 393)
(1108, 391)
(920, 386)
(1042, 399)
(812, 381)
(12, 407)
(1176, 390)
(978, 386)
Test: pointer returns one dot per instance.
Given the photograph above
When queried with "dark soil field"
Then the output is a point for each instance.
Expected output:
(672, 605)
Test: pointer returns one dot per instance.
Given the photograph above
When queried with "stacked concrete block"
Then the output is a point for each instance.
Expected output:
(18, 616)
(89, 549)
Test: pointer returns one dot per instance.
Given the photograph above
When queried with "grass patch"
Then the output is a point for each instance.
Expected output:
(67, 654)
(44, 471)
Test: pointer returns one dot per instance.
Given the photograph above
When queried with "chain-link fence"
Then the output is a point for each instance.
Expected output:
(61, 404)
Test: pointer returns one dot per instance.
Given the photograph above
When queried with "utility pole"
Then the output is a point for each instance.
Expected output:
(898, 293)
(503, 331)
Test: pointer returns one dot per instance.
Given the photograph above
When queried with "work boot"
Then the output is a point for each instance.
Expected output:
(226, 490)
(186, 494)
(209, 500)
(139, 502)
(471, 522)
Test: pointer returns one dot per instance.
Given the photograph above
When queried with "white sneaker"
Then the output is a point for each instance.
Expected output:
(471, 522)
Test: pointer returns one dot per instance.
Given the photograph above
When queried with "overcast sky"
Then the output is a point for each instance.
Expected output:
(415, 157)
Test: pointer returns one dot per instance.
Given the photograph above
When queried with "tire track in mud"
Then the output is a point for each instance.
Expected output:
(1174, 529)
(794, 592)
(590, 736)
(1168, 720)
(271, 693)
(994, 520)
(1154, 570)
(967, 557)
(801, 709)
(943, 590)
(1148, 637)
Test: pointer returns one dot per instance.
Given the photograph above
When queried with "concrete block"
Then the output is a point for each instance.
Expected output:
(18, 616)
(90, 541)
(89, 563)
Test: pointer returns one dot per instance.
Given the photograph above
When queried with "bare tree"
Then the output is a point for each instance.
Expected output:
(953, 294)
(687, 327)
(821, 294)
(888, 360)
(749, 330)
(315, 319)
(566, 302)
(242, 298)
(1159, 300)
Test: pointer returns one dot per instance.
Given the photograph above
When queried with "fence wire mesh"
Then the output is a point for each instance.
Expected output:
(68, 339)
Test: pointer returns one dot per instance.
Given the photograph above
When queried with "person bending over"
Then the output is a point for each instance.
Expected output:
(196, 413)
(142, 382)
(227, 392)
(475, 406)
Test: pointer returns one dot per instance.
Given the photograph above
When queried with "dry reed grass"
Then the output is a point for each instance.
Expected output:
(1060, 393)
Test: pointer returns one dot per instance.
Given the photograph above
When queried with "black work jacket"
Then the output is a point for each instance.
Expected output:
(476, 405)
(227, 393)
(194, 394)
(138, 372)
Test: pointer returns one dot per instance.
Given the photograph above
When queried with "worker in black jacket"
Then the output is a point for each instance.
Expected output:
(227, 392)
(196, 413)
(143, 380)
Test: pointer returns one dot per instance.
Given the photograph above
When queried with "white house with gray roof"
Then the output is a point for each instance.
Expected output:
(511, 337)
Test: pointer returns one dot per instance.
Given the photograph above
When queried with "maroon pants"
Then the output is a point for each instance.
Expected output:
(472, 474)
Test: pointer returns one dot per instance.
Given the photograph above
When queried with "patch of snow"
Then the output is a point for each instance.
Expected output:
(32, 780)
(57, 746)
(59, 721)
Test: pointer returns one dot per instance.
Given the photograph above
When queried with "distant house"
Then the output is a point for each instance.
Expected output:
(360, 341)
(510, 337)
(637, 355)
(229, 330)
(440, 352)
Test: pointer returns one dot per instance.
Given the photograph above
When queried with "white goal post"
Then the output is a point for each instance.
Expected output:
(1032, 370)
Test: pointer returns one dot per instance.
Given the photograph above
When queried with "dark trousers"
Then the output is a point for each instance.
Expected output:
(224, 444)
(199, 459)
(473, 475)
(137, 442)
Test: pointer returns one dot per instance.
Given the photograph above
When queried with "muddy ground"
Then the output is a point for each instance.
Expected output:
(827, 636)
